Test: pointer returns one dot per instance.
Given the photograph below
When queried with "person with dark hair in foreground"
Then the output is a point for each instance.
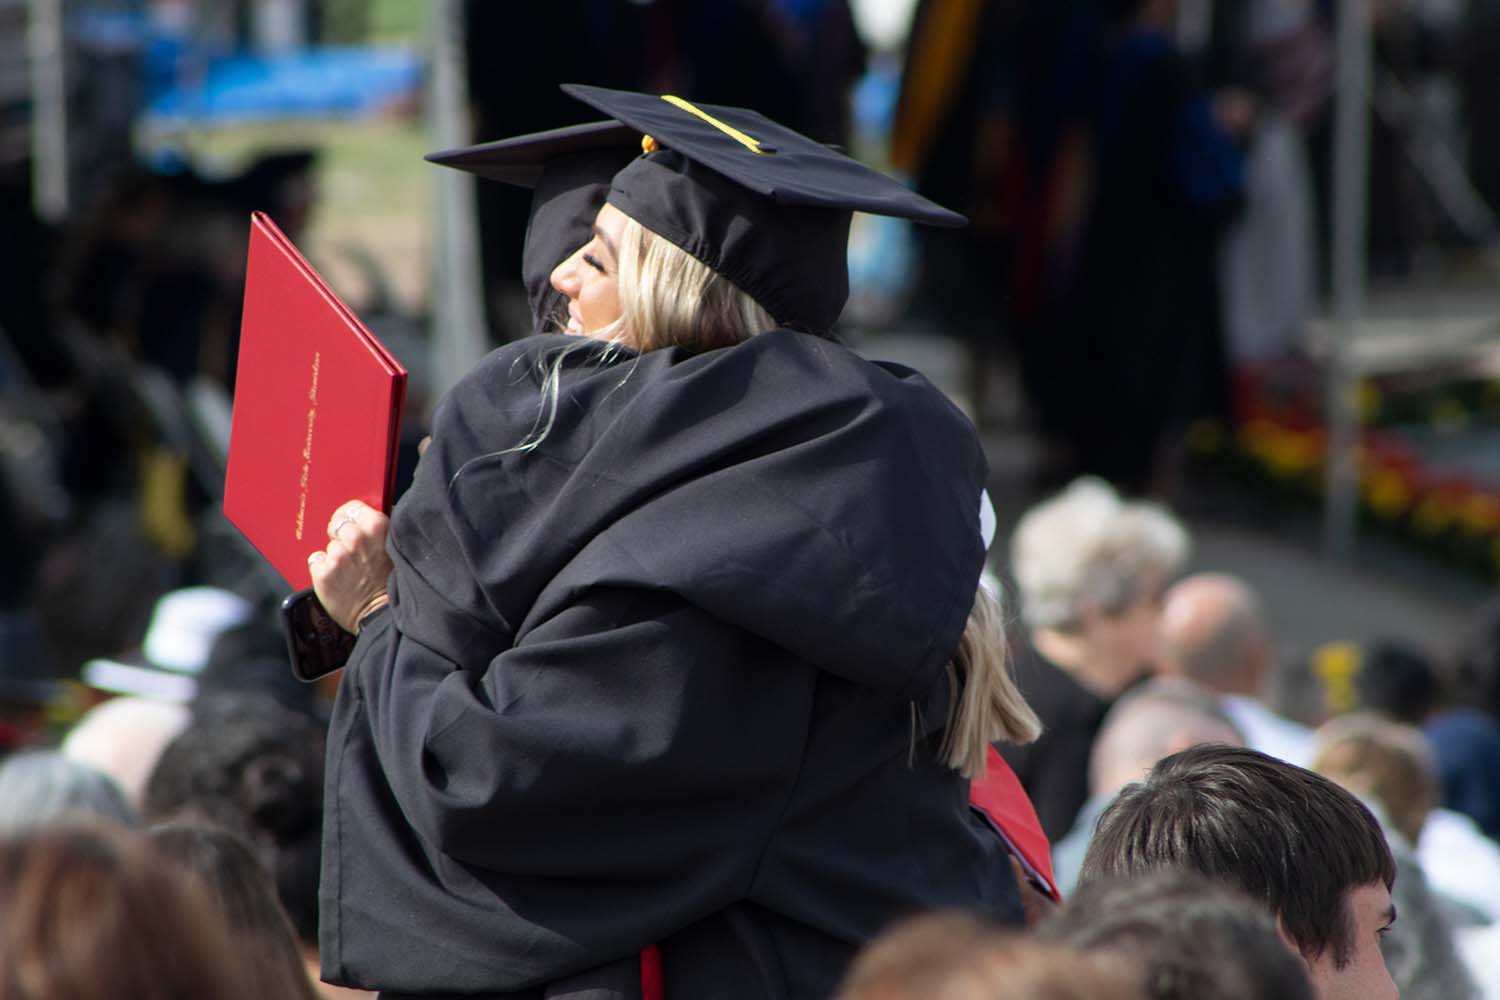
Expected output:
(223, 863)
(256, 768)
(1290, 838)
(91, 914)
(1197, 938)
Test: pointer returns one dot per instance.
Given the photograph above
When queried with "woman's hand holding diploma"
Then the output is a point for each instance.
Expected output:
(350, 575)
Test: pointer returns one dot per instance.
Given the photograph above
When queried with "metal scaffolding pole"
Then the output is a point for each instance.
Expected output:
(49, 109)
(1348, 266)
(458, 330)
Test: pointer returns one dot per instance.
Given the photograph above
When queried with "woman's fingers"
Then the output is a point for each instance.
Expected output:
(351, 572)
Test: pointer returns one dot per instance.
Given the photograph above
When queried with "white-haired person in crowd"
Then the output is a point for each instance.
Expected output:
(1090, 568)
(41, 787)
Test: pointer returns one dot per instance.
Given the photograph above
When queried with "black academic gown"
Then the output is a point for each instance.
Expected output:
(1054, 769)
(673, 676)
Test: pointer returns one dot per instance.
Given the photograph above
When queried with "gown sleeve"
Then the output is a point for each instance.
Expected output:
(610, 778)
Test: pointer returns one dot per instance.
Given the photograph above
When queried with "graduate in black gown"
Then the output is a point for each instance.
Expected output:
(659, 686)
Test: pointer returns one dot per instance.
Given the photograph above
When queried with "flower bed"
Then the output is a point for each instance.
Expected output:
(1428, 455)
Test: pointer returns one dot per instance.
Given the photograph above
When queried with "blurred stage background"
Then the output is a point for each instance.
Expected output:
(135, 137)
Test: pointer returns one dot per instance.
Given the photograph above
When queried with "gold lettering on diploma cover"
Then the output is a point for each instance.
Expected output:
(312, 414)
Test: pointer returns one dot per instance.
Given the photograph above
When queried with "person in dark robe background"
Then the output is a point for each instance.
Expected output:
(1141, 340)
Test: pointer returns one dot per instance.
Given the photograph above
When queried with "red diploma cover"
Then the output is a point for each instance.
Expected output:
(317, 408)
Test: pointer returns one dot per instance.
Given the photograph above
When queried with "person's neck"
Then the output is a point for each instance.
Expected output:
(1099, 670)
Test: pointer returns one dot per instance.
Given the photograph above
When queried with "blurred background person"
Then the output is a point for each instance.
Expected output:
(93, 913)
(1143, 307)
(957, 956)
(42, 787)
(30, 693)
(970, 73)
(123, 737)
(1155, 719)
(1466, 734)
(1090, 569)
(1400, 683)
(1281, 53)
(1389, 767)
(1215, 633)
(222, 863)
(249, 765)
(1195, 937)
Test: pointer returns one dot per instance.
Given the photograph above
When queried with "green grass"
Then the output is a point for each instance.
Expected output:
(374, 193)
(393, 21)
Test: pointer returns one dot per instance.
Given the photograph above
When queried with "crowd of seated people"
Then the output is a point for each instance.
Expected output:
(1219, 849)
(1186, 825)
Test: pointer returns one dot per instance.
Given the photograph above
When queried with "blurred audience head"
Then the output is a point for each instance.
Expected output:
(42, 787)
(123, 737)
(28, 686)
(184, 626)
(91, 913)
(1398, 680)
(1387, 762)
(1285, 836)
(1215, 633)
(1476, 662)
(222, 863)
(1465, 744)
(1389, 765)
(1092, 567)
(251, 658)
(1196, 938)
(1152, 721)
(956, 956)
(1299, 689)
(251, 766)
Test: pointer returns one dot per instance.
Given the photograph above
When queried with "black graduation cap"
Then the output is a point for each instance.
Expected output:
(521, 160)
(569, 170)
(763, 205)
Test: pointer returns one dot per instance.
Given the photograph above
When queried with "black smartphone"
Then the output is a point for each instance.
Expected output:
(317, 644)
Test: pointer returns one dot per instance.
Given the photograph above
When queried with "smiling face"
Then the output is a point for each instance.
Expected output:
(590, 278)
(1364, 975)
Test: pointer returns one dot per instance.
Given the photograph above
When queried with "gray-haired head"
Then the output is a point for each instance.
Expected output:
(1087, 548)
(1152, 721)
(40, 787)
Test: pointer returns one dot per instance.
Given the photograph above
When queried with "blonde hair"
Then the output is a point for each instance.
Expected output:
(669, 298)
(986, 705)
(1378, 758)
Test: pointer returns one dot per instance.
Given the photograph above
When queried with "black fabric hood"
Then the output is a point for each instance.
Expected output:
(819, 501)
